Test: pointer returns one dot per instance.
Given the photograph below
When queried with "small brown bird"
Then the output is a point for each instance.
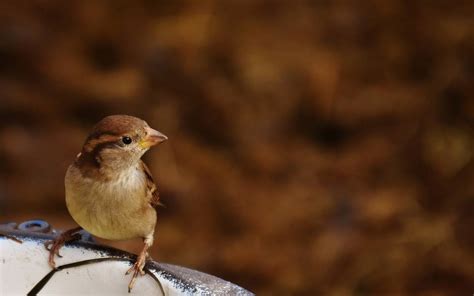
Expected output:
(109, 190)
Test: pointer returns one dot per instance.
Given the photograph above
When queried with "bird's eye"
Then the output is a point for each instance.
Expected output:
(126, 140)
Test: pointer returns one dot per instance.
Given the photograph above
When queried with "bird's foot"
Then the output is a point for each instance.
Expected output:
(53, 246)
(137, 268)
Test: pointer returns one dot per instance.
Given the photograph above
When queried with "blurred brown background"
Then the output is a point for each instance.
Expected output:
(316, 147)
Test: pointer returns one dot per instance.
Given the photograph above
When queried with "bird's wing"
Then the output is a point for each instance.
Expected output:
(151, 187)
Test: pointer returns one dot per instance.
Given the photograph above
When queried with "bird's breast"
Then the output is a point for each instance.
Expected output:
(115, 208)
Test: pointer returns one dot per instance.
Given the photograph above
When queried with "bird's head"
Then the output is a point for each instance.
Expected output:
(119, 141)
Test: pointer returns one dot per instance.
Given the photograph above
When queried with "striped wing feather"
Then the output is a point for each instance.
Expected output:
(152, 188)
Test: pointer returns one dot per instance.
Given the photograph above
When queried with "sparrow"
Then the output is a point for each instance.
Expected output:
(110, 192)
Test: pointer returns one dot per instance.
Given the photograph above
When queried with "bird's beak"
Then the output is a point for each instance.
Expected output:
(152, 138)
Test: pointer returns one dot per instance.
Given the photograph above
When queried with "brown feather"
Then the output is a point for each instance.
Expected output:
(116, 125)
(151, 186)
(105, 134)
(88, 161)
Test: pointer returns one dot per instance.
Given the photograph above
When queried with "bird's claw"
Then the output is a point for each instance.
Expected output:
(53, 248)
(55, 245)
(137, 268)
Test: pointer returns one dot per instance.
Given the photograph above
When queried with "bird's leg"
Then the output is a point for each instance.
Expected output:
(53, 246)
(137, 267)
